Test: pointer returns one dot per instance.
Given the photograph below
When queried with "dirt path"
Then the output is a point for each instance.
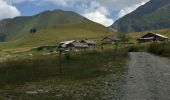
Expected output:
(148, 78)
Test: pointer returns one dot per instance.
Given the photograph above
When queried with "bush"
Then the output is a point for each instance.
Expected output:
(162, 49)
(67, 56)
(133, 49)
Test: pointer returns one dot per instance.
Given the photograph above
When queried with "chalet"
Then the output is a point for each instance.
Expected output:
(152, 37)
(72, 45)
(110, 39)
(90, 43)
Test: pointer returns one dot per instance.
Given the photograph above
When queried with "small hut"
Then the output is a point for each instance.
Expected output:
(90, 43)
(110, 39)
(152, 37)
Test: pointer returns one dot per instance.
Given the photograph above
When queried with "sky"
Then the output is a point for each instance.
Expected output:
(105, 12)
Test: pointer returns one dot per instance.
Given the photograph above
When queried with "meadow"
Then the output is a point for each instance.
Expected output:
(20, 75)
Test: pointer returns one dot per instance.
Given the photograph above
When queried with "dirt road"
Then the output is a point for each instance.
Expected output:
(148, 78)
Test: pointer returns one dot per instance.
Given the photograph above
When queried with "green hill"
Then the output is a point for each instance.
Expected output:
(11, 29)
(153, 15)
(51, 28)
(58, 33)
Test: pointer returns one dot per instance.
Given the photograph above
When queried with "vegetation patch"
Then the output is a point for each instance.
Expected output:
(80, 75)
(162, 49)
(138, 48)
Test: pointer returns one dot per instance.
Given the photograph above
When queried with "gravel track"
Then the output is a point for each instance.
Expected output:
(148, 78)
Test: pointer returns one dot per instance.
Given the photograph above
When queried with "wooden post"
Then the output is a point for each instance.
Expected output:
(116, 47)
(102, 46)
(60, 66)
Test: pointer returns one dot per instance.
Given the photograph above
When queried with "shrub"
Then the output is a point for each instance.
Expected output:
(133, 49)
(162, 49)
(67, 56)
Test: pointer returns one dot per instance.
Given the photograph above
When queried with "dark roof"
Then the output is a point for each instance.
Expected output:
(150, 34)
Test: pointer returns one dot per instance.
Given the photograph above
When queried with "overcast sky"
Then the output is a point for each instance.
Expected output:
(102, 11)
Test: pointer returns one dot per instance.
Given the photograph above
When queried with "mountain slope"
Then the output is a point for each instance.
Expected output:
(58, 33)
(16, 27)
(153, 15)
(52, 27)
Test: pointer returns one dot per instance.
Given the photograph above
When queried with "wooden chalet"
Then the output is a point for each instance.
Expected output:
(110, 39)
(152, 37)
(72, 45)
(90, 43)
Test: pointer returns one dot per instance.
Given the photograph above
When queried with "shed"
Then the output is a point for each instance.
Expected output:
(110, 39)
(90, 43)
(154, 37)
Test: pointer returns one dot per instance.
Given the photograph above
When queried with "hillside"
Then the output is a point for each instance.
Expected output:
(153, 15)
(11, 29)
(55, 34)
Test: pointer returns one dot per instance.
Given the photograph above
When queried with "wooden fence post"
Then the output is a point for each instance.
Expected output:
(60, 66)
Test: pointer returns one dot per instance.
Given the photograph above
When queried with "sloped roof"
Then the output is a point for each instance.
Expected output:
(160, 35)
(65, 43)
(89, 41)
(81, 45)
(154, 34)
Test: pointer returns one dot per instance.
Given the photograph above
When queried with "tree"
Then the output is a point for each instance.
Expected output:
(33, 30)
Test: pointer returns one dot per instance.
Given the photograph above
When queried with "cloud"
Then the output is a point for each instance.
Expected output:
(98, 14)
(96, 10)
(98, 17)
(7, 10)
(57, 2)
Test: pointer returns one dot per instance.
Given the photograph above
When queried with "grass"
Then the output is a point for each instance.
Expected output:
(81, 66)
(20, 75)
(58, 33)
(162, 49)
(139, 48)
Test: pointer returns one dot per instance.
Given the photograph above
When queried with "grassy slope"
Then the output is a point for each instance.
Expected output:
(16, 27)
(53, 35)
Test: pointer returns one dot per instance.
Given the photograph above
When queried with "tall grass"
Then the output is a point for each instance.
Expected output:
(138, 48)
(80, 66)
(162, 49)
